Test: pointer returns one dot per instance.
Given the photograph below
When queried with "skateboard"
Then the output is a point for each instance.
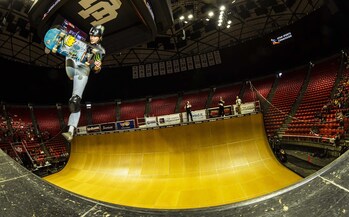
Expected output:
(59, 41)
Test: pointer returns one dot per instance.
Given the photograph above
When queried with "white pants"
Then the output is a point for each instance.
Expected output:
(79, 73)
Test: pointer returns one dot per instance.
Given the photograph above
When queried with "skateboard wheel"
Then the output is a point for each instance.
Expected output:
(47, 51)
(54, 50)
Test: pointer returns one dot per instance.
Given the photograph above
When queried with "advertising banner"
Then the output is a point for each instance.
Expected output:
(108, 127)
(151, 122)
(81, 130)
(213, 112)
(93, 128)
(198, 115)
(169, 119)
(127, 124)
(245, 108)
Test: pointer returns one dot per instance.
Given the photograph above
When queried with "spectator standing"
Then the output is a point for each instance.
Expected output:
(188, 111)
(238, 104)
(221, 107)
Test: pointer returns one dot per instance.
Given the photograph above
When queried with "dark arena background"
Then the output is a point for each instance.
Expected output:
(135, 153)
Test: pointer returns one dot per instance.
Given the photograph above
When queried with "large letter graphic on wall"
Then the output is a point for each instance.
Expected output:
(102, 11)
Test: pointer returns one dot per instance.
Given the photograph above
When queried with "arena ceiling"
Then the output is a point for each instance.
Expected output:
(250, 19)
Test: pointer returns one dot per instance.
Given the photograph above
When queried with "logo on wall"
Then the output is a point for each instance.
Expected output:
(102, 11)
(108, 127)
(128, 124)
(93, 128)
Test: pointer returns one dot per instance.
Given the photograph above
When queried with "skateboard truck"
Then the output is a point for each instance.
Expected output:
(59, 40)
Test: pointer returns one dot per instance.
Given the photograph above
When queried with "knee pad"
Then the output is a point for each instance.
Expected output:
(74, 104)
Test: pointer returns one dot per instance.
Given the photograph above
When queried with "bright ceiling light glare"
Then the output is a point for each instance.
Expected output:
(207, 19)
(228, 26)
(185, 21)
(181, 17)
(222, 8)
(233, 1)
(190, 16)
(219, 24)
(210, 14)
(229, 22)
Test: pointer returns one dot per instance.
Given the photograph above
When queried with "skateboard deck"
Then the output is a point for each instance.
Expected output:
(59, 41)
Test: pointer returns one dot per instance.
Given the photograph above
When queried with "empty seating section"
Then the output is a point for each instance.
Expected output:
(163, 105)
(56, 147)
(48, 122)
(47, 119)
(5, 145)
(19, 113)
(132, 109)
(263, 87)
(228, 93)
(21, 122)
(197, 100)
(23, 132)
(103, 113)
(285, 95)
(317, 95)
(5, 138)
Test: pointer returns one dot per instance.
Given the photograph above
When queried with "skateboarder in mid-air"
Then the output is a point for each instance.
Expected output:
(79, 72)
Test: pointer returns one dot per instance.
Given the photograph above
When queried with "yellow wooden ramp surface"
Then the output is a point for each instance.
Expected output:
(193, 166)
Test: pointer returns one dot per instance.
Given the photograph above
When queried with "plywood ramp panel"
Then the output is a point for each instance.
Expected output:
(192, 166)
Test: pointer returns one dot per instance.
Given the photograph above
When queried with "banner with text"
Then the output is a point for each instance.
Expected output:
(81, 130)
(93, 129)
(198, 115)
(246, 108)
(169, 119)
(108, 127)
(127, 124)
(151, 122)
